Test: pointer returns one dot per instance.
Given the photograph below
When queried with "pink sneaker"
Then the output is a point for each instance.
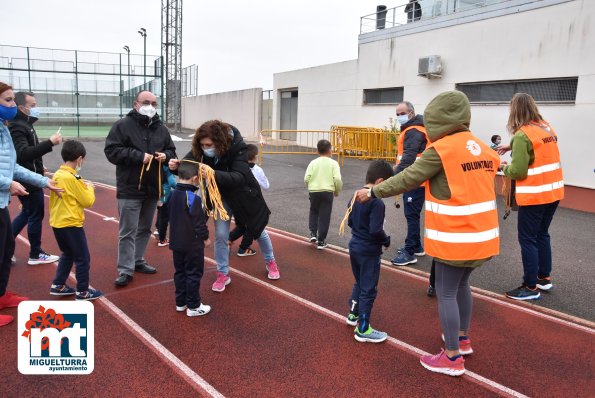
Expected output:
(440, 363)
(464, 346)
(273, 269)
(221, 282)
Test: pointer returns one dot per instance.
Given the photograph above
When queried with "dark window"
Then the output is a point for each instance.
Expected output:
(556, 91)
(391, 96)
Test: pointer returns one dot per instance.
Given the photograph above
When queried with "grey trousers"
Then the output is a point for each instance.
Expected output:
(136, 218)
(455, 302)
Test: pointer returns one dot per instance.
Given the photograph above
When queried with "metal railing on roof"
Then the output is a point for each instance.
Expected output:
(420, 10)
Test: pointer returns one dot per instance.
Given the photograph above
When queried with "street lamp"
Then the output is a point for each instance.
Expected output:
(127, 49)
(143, 33)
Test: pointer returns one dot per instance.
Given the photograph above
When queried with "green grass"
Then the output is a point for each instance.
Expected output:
(71, 131)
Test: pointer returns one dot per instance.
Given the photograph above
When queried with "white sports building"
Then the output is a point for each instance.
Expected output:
(488, 49)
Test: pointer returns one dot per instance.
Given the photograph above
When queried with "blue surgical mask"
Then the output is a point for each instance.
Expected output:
(209, 152)
(34, 112)
(402, 119)
(7, 113)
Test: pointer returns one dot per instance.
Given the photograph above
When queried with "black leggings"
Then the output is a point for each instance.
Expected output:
(6, 249)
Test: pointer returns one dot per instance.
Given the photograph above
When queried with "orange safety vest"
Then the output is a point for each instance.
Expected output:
(544, 182)
(464, 227)
(401, 141)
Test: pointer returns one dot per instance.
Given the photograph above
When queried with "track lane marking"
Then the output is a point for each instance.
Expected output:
(558, 317)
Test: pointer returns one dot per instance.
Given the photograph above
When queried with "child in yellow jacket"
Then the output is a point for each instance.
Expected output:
(67, 218)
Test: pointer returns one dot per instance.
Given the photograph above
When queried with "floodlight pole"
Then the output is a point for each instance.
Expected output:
(143, 33)
(127, 49)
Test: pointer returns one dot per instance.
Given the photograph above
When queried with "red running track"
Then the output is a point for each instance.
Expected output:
(288, 337)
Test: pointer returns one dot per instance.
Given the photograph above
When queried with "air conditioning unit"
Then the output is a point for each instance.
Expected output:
(430, 67)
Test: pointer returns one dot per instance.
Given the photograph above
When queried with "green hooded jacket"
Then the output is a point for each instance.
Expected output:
(448, 113)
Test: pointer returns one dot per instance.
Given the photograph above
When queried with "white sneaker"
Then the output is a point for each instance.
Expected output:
(181, 309)
(43, 258)
(13, 259)
(202, 310)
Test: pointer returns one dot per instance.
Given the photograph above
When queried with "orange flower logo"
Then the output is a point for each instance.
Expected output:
(43, 319)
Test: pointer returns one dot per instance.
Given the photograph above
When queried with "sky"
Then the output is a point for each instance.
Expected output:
(236, 44)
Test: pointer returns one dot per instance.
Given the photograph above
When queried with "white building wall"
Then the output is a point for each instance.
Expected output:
(241, 108)
(548, 42)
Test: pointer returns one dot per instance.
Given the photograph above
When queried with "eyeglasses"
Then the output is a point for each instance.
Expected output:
(402, 113)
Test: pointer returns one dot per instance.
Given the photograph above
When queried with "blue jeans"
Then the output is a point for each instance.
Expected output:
(413, 202)
(222, 250)
(32, 216)
(536, 251)
(73, 243)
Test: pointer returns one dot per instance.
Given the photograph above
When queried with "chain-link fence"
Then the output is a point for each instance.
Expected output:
(83, 92)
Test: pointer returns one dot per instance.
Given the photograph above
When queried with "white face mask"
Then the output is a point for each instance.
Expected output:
(147, 110)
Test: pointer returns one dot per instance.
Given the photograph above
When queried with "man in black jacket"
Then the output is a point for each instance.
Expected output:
(412, 143)
(29, 155)
(138, 144)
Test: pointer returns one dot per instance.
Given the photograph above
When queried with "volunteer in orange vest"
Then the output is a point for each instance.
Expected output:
(536, 168)
(461, 219)
(412, 142)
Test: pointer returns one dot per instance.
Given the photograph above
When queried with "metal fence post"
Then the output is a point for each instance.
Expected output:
(29, 68)
(121, 86)
(76, 87)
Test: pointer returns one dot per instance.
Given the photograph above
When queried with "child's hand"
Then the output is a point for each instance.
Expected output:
(208, 243)
(386, 244)
(89, 184)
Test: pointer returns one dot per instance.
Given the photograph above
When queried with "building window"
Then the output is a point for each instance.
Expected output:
(383, 96)
(544, 91)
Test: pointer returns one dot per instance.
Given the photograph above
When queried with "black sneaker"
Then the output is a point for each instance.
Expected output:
(321, 245)
(313, 238)
(544, 283)
(523, 292)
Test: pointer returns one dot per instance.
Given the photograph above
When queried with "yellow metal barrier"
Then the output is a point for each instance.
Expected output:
(366, 142)
(347, 141)
(294, 142)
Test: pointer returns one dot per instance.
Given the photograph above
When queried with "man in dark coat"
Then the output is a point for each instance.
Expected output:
(29, 155)
(138, 145)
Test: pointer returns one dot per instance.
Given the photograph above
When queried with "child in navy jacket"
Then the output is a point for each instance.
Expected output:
(365, 248)
(188, 236)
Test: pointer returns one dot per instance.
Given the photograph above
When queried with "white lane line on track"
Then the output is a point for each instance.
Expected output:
(198, 383)
(551, 315)
(479, 293)
(490, 384)
(410, 349)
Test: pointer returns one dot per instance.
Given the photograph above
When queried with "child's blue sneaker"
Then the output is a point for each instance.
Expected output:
(370, 336)
(90, 294)
(62, 290)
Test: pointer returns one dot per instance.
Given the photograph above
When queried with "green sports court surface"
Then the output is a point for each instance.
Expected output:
(72, 131)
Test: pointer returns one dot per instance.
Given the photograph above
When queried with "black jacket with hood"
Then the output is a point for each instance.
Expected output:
(27, 146)
(125, 146)
(413, 143)
(238, 186)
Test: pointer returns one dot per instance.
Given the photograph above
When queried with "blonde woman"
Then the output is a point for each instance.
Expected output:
(537, 171)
